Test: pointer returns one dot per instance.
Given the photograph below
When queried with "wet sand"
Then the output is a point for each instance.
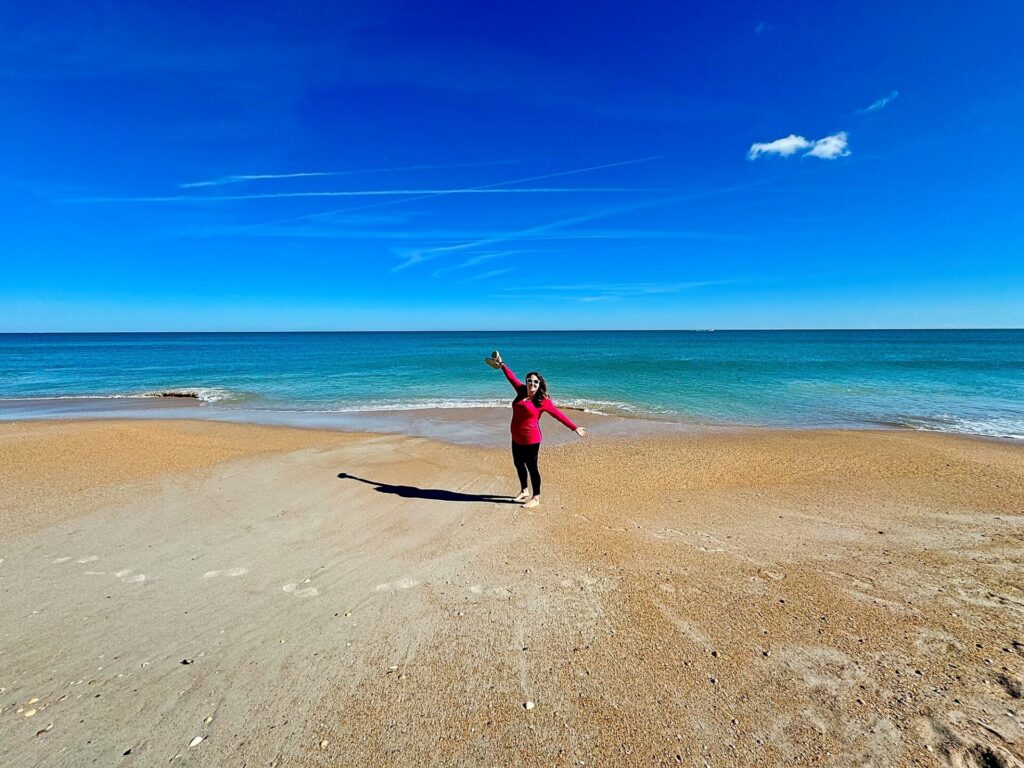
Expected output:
(747, 598)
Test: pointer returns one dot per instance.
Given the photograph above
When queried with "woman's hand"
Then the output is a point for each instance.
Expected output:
(581, 431)
(494, 360)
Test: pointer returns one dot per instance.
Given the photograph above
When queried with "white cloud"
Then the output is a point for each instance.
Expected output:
(879, 103)
(827, 148)
(830, 147)
(784, 147)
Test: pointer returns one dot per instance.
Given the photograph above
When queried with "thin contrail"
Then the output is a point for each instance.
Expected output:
(236, 178)
(418, 257)
(473, 261)
(359, 193)
(321, 214)
(486, 275)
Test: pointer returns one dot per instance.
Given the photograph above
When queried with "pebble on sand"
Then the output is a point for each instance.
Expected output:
(529, 705)
(196, 741)
(30, 713)
(324, 743)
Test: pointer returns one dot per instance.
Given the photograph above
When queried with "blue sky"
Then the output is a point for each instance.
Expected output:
(388, 165)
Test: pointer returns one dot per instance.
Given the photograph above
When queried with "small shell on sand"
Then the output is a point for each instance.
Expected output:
(196, 741)
(324, 743)
(30, 713)
(529, 705)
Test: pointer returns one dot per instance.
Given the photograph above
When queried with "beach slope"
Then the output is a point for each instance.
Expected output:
(185, 593)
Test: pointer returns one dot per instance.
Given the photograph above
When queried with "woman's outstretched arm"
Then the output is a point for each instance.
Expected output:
(511, 377)
(549, 407)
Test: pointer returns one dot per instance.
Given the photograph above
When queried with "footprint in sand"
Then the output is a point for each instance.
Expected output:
(232, 572)
(128, 576)
(80, 561)
(293, 589)
(403, 583)
(479, 590)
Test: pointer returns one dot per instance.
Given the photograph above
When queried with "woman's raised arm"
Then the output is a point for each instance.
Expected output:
(511, 377)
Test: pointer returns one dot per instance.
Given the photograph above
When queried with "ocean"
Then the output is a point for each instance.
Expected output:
(963, 381)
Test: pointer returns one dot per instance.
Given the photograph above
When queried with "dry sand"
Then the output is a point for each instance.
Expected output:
(759, 598)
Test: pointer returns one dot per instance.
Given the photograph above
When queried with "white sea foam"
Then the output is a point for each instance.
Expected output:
(29, 398)
(202, 394)
(599, 407)
(991, 427)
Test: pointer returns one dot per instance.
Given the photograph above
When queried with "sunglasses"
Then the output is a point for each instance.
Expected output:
(533, 381)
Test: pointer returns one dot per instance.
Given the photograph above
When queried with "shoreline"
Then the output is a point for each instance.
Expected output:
(478, 425)
(475, 425)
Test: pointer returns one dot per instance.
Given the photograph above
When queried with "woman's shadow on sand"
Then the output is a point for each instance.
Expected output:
(438, 494)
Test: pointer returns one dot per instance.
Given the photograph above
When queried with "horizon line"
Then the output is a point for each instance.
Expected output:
(521, 330)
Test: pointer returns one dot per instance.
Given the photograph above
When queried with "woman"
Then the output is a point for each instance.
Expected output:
(531, 401)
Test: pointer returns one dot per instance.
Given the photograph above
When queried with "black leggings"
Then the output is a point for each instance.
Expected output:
(525, 458)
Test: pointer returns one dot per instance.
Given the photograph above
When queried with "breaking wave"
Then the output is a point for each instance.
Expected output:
(201, 394)
(996, 426)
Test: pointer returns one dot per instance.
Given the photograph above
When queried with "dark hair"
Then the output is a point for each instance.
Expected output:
(542, 390)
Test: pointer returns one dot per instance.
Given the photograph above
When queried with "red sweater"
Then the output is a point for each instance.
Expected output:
(526, 415)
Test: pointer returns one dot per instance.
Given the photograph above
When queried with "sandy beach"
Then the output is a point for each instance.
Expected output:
(209, 594)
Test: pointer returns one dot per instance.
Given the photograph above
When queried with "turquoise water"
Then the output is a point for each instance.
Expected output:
(956, 381)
